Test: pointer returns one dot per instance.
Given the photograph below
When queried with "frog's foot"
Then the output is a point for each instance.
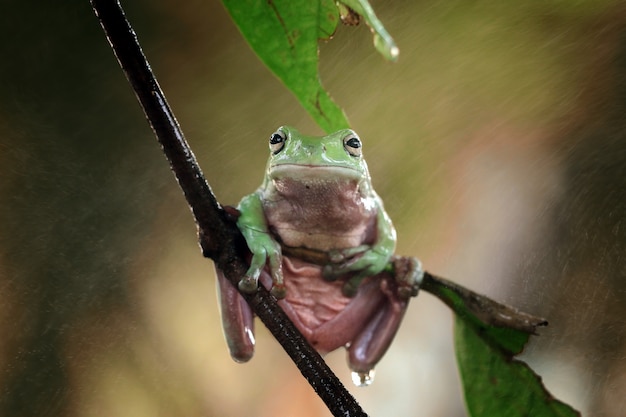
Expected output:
(249, 284)
(358, 263)
(408, 274)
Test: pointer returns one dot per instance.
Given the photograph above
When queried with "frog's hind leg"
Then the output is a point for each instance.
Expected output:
(237, 320)
(374, 339)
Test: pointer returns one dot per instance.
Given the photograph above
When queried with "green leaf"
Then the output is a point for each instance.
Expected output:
(487, 337)
(495, 384)
(284, 34)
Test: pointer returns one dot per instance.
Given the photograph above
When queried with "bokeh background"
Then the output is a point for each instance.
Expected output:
(498, 142)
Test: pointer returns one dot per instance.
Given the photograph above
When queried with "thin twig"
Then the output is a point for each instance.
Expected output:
(219, 237)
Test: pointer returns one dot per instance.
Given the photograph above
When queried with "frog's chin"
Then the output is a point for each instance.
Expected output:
(306, 172)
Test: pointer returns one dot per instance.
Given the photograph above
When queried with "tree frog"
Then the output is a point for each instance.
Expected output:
(323, 244)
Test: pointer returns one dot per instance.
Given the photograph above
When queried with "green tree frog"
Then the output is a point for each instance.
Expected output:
(323, 244)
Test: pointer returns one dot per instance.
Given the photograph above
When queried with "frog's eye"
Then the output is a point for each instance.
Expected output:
(277, 141)
(352, 145)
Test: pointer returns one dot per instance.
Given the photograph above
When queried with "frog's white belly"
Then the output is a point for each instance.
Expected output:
(321, 214)
(321, 241)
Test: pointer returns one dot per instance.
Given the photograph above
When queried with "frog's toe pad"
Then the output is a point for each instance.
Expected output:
(409, 275)
(248, 285)
(329, 273)
(350, 289)
(279, 291)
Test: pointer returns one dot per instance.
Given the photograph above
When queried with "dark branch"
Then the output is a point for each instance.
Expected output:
(219, 237)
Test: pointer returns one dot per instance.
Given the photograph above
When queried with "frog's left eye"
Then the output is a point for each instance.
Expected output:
(352, 145)
(277, 141)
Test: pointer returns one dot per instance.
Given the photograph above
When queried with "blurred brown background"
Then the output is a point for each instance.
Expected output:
(498, 143)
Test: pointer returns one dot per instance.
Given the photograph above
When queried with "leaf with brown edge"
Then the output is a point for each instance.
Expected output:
(488, 335)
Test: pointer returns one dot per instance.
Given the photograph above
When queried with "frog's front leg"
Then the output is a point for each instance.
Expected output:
(364, 260)
(265, 250)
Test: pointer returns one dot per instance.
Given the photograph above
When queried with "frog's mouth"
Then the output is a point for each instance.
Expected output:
(304, 172)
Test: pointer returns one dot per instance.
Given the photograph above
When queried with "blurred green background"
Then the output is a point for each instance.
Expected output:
(498, 142)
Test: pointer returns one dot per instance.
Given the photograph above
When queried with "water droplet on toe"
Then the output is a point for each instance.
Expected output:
(363, 379)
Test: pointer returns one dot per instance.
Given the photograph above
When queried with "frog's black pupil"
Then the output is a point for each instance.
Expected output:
(276, 138)
(354, 143)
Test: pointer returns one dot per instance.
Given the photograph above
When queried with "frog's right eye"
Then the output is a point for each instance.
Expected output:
(352, 144)
(277, 141)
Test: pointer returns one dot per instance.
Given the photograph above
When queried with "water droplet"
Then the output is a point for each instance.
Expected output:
(394, 51)
(386, 46)
(363, 379)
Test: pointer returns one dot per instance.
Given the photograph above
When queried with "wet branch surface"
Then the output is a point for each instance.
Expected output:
(219, 237)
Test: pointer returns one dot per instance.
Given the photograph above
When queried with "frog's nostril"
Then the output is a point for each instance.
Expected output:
(308, 150)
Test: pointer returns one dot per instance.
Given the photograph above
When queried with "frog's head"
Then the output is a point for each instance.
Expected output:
(299, 157)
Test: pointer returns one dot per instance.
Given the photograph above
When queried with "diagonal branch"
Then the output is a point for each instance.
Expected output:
(219, 237)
